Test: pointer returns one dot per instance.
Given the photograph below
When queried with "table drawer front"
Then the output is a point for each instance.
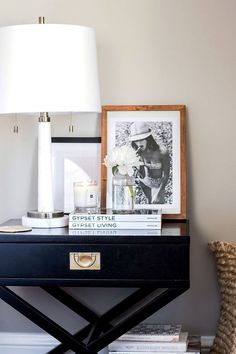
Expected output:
(126, 261)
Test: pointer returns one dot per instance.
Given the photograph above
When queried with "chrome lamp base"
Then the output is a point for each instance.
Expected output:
(38, 219)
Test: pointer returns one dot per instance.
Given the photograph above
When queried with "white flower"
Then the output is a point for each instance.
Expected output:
(123, 160)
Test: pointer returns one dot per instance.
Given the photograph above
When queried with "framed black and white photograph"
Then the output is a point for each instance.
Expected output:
(73, 160)
(157, 134)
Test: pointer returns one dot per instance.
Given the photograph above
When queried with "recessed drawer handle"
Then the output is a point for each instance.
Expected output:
(85, 260)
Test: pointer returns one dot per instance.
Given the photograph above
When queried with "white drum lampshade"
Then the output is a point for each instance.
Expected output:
(48, 68)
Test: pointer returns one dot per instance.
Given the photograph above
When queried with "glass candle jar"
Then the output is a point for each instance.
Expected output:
(86, 198)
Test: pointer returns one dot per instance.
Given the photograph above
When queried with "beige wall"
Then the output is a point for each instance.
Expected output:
(150, 52)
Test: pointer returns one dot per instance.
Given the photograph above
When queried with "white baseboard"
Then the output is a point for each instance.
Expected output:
(29, 343)
(26, 343)
(40, 343)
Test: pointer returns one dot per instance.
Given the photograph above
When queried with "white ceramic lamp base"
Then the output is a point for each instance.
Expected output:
(45, 223)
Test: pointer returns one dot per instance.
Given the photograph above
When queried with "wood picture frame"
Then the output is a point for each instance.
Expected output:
(73, 159)
(167, 125)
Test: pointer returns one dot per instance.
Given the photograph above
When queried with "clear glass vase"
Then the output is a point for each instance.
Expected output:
(123, 193)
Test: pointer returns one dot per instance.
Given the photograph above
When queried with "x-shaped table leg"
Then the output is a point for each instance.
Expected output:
(120, 318)
(103, 329)
(43, 321)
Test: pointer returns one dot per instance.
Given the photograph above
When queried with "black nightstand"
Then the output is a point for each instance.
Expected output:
(156, 264)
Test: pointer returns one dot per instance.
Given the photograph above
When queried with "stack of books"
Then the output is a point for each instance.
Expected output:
(155, 339)
(139, 220)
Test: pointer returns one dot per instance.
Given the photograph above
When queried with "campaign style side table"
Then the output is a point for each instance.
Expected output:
(157, 265)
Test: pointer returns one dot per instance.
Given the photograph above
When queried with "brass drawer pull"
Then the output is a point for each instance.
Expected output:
(85, 261)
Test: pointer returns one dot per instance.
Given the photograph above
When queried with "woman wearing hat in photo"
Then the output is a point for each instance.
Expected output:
(155, 171)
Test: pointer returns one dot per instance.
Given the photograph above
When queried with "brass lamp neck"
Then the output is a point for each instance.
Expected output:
(44, 117)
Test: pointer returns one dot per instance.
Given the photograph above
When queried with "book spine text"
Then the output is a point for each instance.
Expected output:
(115, 225)
(114, 217)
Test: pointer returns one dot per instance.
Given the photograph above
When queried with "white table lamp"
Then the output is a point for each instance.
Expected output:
(47, 68)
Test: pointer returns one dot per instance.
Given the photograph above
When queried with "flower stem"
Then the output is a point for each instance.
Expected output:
(132, 192)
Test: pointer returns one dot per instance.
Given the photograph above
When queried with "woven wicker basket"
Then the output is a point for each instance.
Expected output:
(225, 256)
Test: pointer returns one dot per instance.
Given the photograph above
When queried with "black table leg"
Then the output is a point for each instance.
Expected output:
(71, 303)
(141, 313)
(103, 323)
(103, 329)
(123, 316)
(42, 321)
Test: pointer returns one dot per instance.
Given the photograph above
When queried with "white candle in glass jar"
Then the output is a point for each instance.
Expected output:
(85, 195)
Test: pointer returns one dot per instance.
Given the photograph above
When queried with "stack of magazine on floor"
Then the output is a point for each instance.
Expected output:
(156, 339)
(146, 219)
